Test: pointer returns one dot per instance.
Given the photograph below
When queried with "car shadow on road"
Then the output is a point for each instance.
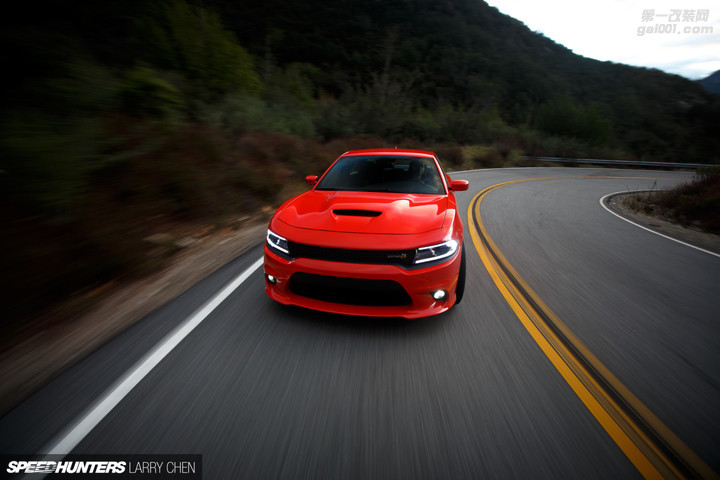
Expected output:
(349, 324)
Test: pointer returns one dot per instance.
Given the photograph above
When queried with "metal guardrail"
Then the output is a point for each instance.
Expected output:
(635, 163)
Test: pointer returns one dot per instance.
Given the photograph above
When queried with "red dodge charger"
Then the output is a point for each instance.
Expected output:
(378, 234)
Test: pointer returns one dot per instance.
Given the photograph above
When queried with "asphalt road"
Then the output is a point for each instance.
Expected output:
(267, 391)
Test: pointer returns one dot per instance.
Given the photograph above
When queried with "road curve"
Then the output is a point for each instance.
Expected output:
(266, 391)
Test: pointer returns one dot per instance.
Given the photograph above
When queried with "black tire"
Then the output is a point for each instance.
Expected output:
(460, 290)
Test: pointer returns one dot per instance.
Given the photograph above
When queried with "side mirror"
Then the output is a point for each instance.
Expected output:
(311, 180)
(459, 185)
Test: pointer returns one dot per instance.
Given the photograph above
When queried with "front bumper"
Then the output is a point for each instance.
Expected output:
(419, 284)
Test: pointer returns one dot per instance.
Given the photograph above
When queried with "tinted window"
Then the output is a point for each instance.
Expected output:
(384, 174)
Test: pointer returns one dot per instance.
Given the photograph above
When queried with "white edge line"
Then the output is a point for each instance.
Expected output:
(603, 201)
(89, 419)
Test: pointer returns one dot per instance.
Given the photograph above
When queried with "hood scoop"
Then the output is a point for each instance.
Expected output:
(357, 213)
(364, 212)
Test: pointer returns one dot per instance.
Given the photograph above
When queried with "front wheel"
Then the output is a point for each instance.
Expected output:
(460, 290)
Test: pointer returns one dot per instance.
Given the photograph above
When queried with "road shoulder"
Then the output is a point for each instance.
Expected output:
(620, 204)
(30, 362)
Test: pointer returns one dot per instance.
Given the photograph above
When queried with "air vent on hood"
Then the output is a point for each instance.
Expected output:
(357, 213)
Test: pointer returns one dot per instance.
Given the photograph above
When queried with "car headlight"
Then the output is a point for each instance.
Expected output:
(436, 252)
(277, 242)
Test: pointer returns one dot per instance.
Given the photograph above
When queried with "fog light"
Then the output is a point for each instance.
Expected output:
(271, 279)
(439, 295)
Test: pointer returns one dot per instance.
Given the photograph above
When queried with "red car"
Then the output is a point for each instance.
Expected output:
(379, 234)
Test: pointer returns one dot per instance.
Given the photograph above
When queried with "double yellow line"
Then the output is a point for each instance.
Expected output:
(654, 450)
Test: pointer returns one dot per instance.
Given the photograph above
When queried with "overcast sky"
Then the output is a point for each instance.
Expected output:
(681, 37)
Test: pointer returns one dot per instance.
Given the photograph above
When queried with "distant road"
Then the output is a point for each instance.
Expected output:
(266, 391)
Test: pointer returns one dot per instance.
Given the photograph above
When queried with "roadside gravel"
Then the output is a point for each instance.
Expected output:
(622, 205)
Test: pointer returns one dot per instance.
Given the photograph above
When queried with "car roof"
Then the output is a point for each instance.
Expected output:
(390, 151)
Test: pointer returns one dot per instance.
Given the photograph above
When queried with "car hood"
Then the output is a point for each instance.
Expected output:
(365, 212)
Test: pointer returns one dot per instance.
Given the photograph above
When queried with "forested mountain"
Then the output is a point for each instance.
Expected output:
(121, 118)
(431, 70)
(712, 82)
(465, 55)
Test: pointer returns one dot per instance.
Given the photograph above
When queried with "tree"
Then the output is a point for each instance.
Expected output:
(193, 40)
(562, 117)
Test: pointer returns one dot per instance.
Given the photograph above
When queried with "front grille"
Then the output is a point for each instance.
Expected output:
(403, 258)
(349, 291)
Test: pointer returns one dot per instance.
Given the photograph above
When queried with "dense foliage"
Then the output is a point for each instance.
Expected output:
(695, 204)
(120, 118)
(401, 68)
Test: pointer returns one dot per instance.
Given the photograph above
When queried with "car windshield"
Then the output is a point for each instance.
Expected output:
(384, 173)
